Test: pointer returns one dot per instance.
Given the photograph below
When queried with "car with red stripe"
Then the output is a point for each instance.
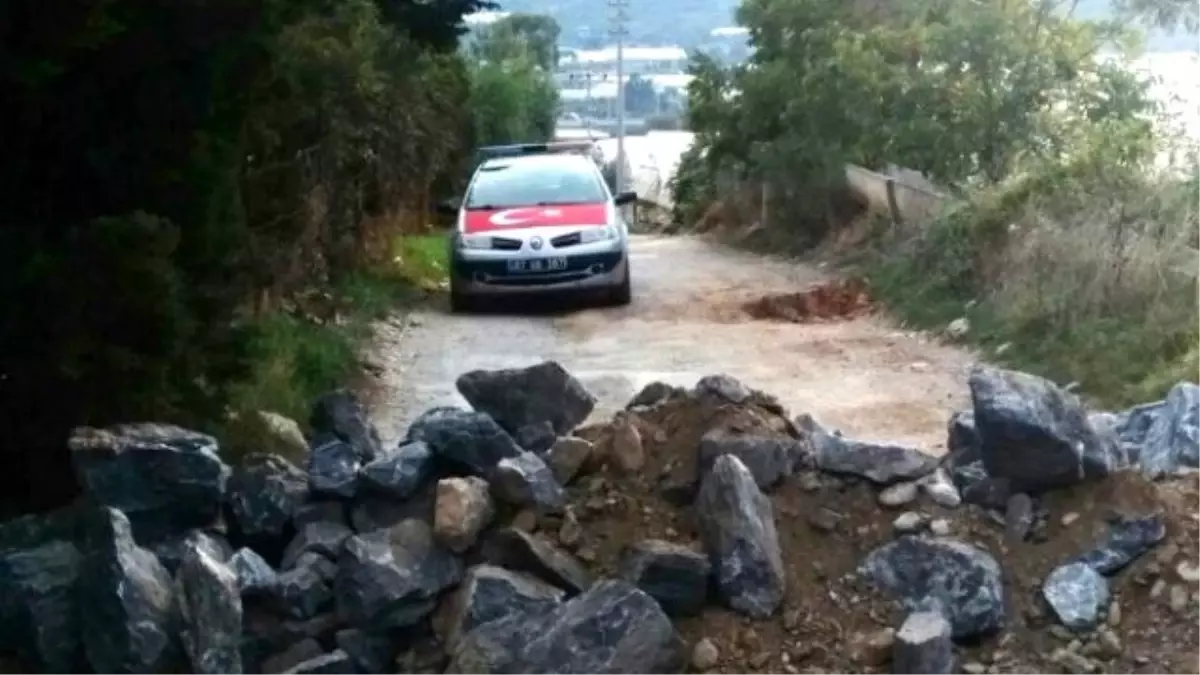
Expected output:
(539, 220)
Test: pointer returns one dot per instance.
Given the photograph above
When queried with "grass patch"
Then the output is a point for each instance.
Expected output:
(295, 355)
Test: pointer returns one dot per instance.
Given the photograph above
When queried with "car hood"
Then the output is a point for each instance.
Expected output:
(496, 221)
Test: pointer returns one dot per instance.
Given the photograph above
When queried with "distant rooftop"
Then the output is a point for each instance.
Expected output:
(484, 18)
(730, 31)
(609, 54)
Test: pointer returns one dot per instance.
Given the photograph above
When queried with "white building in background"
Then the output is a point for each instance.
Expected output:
(484, 18)
(638, 60)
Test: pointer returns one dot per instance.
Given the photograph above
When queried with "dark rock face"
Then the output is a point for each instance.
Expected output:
(391, 578)
(1018, 517)
(130, 622)
(1128, 539)
(341, 414)
(522, 397)
(770, 460)
(306, 589)
(333, 467)
(210, 605)
(1035, 434)
(1164, 436)
(255, 576)
(962, 582)
(963, 442)
(653, 394)
(372, 652)
(335, 662)
(613, 628)
(471, 441)
(880, 463)
(567, 456)
(332, 510)
(526, 481)
(675, 576)
(536, 437)
(519, 550)
(923, 645)
(490, 593)
(323, 536)
(264, 495)
(1077, 594)
(724, 388)
(39, 610)
(170, 551)
(401, 472)
(162, 477)
(737, 526)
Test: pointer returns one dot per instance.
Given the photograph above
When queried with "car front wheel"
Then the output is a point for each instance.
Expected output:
(460, 303)
(622, 294)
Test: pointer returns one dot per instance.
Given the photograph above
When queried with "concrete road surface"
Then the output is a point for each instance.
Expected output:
(864, 376)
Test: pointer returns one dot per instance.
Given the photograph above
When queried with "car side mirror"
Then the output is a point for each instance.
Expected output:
(627, 197)
(449, 207)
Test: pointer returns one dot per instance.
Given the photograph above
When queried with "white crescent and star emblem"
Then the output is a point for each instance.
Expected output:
(520, 216)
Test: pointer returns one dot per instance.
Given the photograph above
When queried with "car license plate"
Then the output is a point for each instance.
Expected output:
(532, 265)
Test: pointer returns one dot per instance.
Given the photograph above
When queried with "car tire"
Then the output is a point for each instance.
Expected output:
(460, 303)
(622, 294)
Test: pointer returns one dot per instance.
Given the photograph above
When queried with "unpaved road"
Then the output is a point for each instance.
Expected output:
(863, 375)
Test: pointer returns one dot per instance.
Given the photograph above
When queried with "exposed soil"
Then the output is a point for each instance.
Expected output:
(836, 299)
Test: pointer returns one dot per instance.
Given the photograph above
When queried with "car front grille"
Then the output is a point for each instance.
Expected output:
(506, 244)
(566, 240)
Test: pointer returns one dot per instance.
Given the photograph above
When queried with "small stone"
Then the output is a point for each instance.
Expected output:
(941, 489)
(525, 521)
(567, 456)
(810, 482)
(1178, 598)
(1018, 517)
(1071, 662)
(1157, 590)
(1077, 594)
(1188, 571)
(1074, 646)
(824, 520)
(462, 508)
(924, 645)
(1114, 614)
(526, 481)
(974, 668)
(1108, 645)
(705, 654)
(873, 649)
(895, 496)
(1061, 632)
(760, 660)
(909, 521)
(1069, 518)
(940, 527)
(570, 533)
(626, 449)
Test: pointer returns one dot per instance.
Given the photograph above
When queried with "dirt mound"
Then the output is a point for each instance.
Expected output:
(837, 299)
(828, 524)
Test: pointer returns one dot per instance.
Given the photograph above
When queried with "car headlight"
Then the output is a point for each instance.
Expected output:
(474, 241)
(595, 234)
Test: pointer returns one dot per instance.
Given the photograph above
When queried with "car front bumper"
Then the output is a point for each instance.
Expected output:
(490, 275)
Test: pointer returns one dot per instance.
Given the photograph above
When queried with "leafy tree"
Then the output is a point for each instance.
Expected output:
(640, 96)
(513, 99)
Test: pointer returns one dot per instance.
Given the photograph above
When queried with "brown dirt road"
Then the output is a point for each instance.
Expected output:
(688, 319)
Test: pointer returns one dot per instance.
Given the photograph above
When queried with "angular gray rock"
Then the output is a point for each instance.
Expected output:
(323, 536)
(335, 662)
(724, 388)
(391, 578)
(567, 456)
(674, 575)
(1163, 436)
(1128, 539)
(1035, 434)
(306, 589)
(293, 655)
(333, 467)
(463, 508)
(612, 628)
(770, 460)
(210, 606)
(373, 652)
(962, 582)
(163, 478)
(536, 437)
(881, 463)
(923, 645)
(331, 509)
(737, 527)
(255, 576)
(526, 481)
(1018, 517)
(489, 593)
(264, 494)
(524, 552)
(170, 551)
(521, 397)
(39, 612)
(341, 414)
(400, 472)
(1077, 594)
(962, 438)
(652, 394)
(471, 441)
(131, 621)
(374, 512)
(941, 489)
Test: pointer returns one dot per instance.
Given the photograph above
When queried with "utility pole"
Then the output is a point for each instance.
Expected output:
(619, 18)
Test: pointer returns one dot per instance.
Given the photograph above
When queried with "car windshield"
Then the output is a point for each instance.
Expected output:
(505, 186)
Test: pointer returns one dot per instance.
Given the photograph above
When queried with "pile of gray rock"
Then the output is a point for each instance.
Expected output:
(374, 559)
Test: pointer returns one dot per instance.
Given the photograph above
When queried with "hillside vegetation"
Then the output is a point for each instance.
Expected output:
(1071, 247)
(205, 203)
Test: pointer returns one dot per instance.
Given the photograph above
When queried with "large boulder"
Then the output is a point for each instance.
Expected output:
(130, 622)
(468, 441)
(737, 526)
(770, 459)
(523, 397)
(264, 494)
(526, 481)
(164, 478)
(255, 576)
(612, 628)
(323, 536)
(210, 605)
(306, 589)
(1077, 594)
(391, 578)
(333, 467)
(1035, 434)
(489, 593)
(39, 611)
(340, 413)
(939, 574)
(525, 552)
(881, 463)
(1164, 436)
